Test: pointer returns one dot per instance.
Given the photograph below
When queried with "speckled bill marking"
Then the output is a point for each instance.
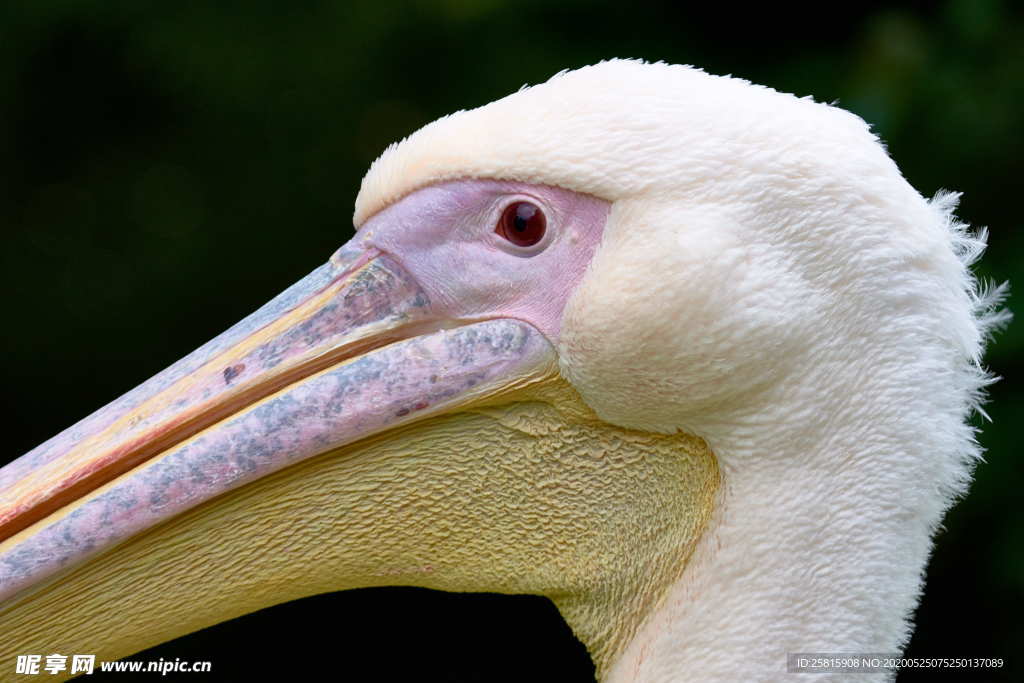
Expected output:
(104, 417)
(359, 297)
(399, 383)
(354, 348)
(425, 309)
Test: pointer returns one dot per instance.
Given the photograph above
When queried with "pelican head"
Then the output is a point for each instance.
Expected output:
(686, 355)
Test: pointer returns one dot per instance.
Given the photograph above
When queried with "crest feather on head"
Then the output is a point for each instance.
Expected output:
(621, 128)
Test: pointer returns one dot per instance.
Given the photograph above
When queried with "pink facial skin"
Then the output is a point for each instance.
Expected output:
(444, 236)
(448, 269)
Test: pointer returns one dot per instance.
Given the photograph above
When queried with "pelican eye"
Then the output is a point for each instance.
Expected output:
(522, 223)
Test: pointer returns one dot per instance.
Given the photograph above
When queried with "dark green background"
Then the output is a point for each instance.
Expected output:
(166, 169)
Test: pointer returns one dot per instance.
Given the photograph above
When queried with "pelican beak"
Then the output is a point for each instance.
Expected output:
(351, 350)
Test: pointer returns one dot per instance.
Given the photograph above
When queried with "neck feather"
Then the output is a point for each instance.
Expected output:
(820, 535)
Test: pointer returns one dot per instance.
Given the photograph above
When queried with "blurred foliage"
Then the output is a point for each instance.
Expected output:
(167, 167)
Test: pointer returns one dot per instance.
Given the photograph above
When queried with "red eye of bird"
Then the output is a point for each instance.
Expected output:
(522, 224)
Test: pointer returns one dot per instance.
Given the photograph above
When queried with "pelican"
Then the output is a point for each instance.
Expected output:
(686, 355)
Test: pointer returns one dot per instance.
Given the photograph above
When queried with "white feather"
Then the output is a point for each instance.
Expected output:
(769, 282)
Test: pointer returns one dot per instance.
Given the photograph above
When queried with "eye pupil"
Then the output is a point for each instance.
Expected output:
(522, 224)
